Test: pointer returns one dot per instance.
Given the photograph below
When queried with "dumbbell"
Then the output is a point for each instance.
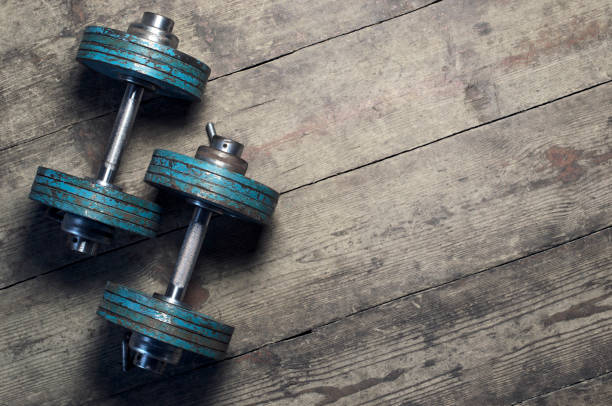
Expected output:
(145, 57)
(162, 326)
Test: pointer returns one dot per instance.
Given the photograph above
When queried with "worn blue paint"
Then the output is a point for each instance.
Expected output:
(116, 68)
(232, 192)
(259, 187)
(214, 175)
(104, 190)
(216, 202)
(187, 315)
(82, 190)
(118, 54)
(165, 322)
(209, 188)
(89, 205)
(158, 335)
(117, 34)
(172, 70)
(165, 317)
(103, 43)
(162, 326)
(101, 203)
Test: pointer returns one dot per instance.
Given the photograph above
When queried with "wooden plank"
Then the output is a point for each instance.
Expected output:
(44, 89)
(336, 247)
(594, 392)
(332, 107)
(493, 339)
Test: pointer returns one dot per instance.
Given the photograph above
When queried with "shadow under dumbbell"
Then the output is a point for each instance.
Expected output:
(162, 111)
(107, 377)
(97, 92)
(230, 236)
(105, 373)
(46, 252)
(44, 246)
(164, 121)
(157, 114)
(229, 245)
(164, 115)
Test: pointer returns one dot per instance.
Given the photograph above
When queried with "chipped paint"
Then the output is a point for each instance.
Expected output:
(229, 191)
(100, 203)
(118, 55)
(165, 322)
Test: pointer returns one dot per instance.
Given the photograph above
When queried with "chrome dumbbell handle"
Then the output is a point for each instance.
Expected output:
(163, 326)
(196, 231)
(78, 238)
(156, 28)
(151, 354)
(85, 235)
(188, 256)
(121, 131)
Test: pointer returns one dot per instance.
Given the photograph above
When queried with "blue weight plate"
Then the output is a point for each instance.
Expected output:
(119, 55)
(165, 322)
(231, 192)
(100, 203)
(192, 317)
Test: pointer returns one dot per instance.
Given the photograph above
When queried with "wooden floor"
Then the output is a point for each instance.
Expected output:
(443, 233)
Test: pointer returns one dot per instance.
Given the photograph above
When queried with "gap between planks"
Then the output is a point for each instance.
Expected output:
(526, 401)
(446, 137)
(495, 156)
(309, 128)
(538, 400)
(249, 67)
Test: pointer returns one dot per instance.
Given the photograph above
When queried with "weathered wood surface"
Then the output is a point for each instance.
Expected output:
(495, 338)
(44, 89)
(332, 107)
(338, 246)
(594, 392)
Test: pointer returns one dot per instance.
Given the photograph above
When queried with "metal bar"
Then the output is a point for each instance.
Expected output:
(188, 256)
(121, 131)
(211, 132)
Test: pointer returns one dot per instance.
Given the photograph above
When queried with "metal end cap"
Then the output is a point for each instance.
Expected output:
(82, 245)
(156, 28)
(222, 159)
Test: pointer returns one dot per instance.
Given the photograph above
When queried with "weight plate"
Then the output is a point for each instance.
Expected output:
(231, 192)
(121, 55)
(100, 203)
(166, 322)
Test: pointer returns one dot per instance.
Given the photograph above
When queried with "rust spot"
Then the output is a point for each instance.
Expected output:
(565, 160)
(205, 32)
(436, 85)
(196, 295)
(600, 159)
(569, 36)
(523, 58)
(580, 310)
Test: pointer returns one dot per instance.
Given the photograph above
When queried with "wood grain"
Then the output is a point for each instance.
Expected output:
(43, 88)
(336, 247)
(593, 392)
(331, 107)
(492, 339)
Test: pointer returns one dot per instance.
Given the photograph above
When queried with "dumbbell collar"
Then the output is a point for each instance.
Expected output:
(155, 27)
